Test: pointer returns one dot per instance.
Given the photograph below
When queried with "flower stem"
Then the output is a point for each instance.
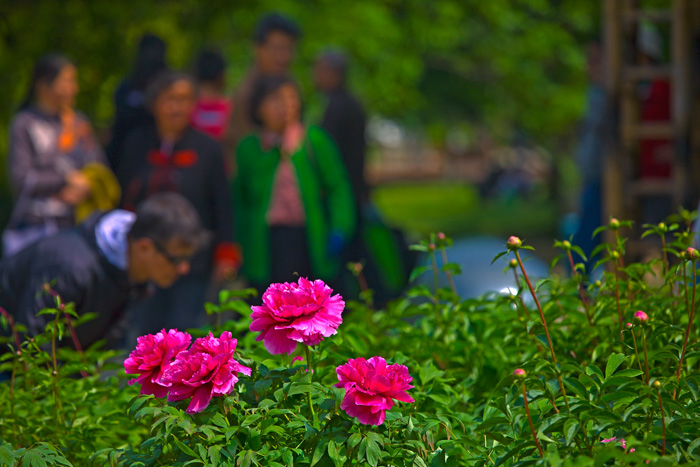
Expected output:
(435, 275)
(529, 419)
(450, 279)
(646, 356)
(365, 290)
(691, 316)
(584, 301)
(663, 423)
(522, 303)
(546, 329)
(636, 351)
(311, 370)
(11, 322)
(617, 298)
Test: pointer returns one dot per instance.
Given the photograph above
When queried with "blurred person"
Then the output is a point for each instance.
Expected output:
(213, 109)
(590, 152)
(100, 264)
(50, 143)
(291, 191)
(344, 118)
(275, 39)
(129, 98)
(170, 155)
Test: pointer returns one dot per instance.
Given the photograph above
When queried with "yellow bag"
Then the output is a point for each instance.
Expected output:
(105, 191)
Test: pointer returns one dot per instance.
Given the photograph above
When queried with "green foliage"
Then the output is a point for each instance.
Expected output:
(74, 401)
(599, 381)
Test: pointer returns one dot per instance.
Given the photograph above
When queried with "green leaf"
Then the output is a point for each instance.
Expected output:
(693, 446)
(327, 404)
(299, 388)
(319, 452)
(417, 272)
(493, 421)
(373, 453)
(186, 449)
(33, 459)
(614, 361)
(571, 427)
(498, 256)
(334, 454)
(250, 419)
(6, 456)
(429, 372)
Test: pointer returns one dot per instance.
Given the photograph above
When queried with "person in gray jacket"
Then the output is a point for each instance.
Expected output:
(49, 145)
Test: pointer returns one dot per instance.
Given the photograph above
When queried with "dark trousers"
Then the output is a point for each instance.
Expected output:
(178, 307)
(289, 256)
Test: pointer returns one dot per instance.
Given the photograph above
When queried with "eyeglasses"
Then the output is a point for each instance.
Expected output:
(172, 259)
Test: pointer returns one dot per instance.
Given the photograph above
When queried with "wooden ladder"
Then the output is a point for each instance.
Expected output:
(623, 189)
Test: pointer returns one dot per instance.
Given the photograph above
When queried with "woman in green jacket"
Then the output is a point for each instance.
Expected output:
(292, 195)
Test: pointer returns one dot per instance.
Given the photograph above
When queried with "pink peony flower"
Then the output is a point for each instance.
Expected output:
(641, 316)
(153, 356)
(292, 313)
(370, 385)
(206, 370)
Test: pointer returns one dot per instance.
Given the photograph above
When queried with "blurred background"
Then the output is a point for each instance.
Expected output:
(457, 92)
(538, 118)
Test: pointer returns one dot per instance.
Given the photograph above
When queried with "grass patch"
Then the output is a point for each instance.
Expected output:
(457, 209)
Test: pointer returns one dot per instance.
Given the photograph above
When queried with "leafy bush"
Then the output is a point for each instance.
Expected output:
(590, 389)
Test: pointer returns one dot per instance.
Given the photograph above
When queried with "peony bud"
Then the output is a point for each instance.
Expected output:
(615, 255)
(662, 227)
(441, 236)
(614, 224)
(641, 317)
(514, 243)
(566, 245)
(656, 384)
(691, 254)
(357, 267)
(431, 247)
(629, 325)
(598, 283)
(519, 373)
(513, 263)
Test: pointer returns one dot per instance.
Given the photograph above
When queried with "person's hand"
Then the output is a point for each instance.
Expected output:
(77, 188)
(224, 271)
(336, 242)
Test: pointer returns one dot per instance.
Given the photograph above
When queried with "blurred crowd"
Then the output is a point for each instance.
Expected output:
(104, 222)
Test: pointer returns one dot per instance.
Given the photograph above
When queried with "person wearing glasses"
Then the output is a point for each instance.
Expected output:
(102, 264)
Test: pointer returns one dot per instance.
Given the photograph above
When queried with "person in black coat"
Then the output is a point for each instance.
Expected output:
(344, 119)
(99, 264)
(170, 155)
(129, 98)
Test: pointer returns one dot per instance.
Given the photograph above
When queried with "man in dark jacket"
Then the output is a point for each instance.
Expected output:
(344, 118)
(99, 264)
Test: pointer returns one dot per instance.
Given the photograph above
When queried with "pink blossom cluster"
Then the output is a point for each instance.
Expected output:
(166, 367)
(371, 387)
(292, 313)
